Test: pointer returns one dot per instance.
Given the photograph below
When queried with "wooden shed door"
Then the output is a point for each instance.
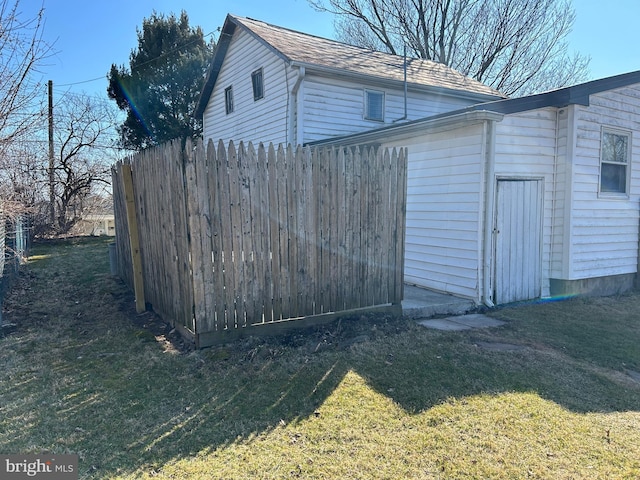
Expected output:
(518, 234)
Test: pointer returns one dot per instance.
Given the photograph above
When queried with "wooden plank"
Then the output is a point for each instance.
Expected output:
(365, 232)
(355, 190)
(324, 205)
(237, 264)
(134, 240)
(386, 218)
(342, 259)
(204, 238)
(315, 230)
(246, 172)
(195, 253)
(282, 215)
(306, 221)
(183, 304)
(274, 234)
(260, 208)
(292, 205)
(217, 172)
(333, 222)
(226, 230)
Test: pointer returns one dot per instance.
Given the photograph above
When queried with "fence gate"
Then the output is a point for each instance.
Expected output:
(518, 233)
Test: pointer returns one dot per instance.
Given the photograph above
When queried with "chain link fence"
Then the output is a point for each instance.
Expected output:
(14, 245)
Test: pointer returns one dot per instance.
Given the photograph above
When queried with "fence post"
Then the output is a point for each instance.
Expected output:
(134, 239)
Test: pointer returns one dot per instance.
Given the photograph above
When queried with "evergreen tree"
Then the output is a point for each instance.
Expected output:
(160, 89)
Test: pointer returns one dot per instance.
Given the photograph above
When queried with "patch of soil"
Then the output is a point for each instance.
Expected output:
(151, 322)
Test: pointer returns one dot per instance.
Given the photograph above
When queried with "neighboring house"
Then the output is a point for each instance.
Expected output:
(508, 199)
(96, 225)
(270, 84)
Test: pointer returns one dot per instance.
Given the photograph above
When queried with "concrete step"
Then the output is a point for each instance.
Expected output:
(421, 303)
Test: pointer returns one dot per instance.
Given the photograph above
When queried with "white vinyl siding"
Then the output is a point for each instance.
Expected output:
(249, 120)
(604, 230)
(334, 107)
(444, 221)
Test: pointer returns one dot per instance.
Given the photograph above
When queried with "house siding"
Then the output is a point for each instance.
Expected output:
(525, 147)
(444, 221)
(334, 107)
(604, 231)
(247, 121)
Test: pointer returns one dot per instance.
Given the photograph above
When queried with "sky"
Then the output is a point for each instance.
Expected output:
(89, 35)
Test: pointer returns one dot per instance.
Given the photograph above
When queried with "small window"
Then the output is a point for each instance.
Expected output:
(614, 162)
(374, 105)
(258, 86)
(228, 99)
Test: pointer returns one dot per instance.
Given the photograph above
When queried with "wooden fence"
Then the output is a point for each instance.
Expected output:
(236, 240)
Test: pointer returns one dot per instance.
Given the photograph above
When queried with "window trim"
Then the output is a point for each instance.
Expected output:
(627, 164)
(228, 99)
(258, 73)
(367, 112)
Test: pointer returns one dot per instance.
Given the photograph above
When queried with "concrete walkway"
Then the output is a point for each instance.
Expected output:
(422, 305)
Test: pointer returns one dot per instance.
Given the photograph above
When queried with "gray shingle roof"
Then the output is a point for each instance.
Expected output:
(322, 53)
(312, 50)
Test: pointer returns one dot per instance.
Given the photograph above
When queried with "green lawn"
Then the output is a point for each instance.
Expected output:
(362, 398)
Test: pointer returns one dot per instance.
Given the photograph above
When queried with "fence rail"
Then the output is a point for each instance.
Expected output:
(235, 238)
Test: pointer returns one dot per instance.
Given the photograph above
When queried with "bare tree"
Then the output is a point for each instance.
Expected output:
(86, 139)
(516, 46)
(85, 135)
(22, 50)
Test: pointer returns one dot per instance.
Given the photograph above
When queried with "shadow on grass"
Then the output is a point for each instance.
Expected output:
(81, 377)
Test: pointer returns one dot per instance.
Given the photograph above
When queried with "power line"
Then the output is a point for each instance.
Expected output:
(103, 77)
(165, 54)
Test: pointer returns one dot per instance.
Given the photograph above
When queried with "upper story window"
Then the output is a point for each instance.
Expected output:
(258, 84)
(614, 161)
(228, 99)
(374, 105)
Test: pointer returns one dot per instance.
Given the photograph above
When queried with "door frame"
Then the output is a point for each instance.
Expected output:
(494, 230)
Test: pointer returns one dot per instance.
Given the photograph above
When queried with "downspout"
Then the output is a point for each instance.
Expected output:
(489, 196)
(554, 196)
(294, 114)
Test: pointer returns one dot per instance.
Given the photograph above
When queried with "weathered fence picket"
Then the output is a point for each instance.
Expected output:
(237, 239)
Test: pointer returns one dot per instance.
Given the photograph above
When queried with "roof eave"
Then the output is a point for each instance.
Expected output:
(574, 95)
(226, 33)
(408, 129)
(391, 83)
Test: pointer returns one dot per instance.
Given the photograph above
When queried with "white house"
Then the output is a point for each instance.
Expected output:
(508, 199)
(271, 84)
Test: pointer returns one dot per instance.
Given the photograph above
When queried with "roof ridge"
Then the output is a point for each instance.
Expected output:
(345, 44)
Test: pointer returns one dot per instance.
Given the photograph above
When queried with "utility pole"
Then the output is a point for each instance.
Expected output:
(52, 191)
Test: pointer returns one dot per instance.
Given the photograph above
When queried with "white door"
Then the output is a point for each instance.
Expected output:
(518, 241)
